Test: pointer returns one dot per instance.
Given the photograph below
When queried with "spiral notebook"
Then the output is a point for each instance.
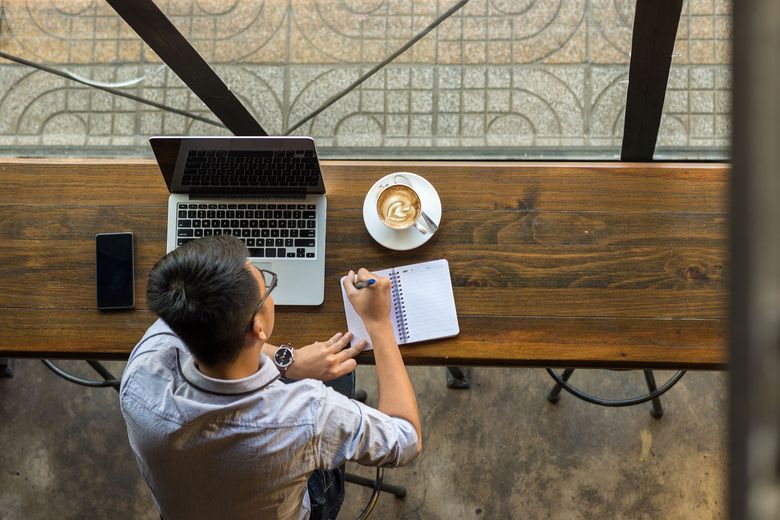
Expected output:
(422, 306)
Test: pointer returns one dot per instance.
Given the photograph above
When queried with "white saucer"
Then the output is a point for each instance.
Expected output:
(403, 239)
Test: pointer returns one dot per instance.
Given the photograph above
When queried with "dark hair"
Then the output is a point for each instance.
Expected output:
(205, 293)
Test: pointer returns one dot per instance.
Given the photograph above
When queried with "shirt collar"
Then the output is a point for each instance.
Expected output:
(267, 374)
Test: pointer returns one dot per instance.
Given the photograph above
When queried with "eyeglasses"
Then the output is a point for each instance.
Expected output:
(269, 278)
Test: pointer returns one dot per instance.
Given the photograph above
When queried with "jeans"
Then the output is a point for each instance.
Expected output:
(326, 487)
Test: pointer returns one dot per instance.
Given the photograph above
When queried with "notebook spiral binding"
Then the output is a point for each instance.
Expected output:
(398, 307)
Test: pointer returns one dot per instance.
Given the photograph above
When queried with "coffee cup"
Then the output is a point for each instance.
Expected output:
(399, 207)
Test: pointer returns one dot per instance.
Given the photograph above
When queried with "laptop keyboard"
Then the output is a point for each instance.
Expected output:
(237, 168)
(268, 230)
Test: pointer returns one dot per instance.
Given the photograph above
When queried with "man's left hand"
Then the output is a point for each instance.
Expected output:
(326, 360)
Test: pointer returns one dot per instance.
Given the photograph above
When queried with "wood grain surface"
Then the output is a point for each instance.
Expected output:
(553, 264)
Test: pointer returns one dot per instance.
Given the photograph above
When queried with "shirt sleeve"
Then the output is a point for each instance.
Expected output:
(157, 337)
(350, 430)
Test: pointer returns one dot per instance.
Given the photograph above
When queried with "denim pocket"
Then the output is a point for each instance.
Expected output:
(326, 493)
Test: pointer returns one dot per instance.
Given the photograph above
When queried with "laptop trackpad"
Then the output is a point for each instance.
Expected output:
(262, 265)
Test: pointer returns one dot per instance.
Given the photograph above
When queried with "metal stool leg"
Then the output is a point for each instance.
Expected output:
(6, 367)
(658, 411)
(98, 367)
(360, 395)
(555, 394)
(398, 491)
(459, 377)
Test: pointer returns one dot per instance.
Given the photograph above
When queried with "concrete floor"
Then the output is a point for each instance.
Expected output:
(499, 450)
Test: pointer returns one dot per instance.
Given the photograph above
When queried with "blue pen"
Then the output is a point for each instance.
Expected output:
(360, 285)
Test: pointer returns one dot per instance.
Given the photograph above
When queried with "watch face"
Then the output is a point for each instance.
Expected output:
(283, 356)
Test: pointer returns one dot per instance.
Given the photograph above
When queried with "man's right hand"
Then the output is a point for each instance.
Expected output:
(372, 303)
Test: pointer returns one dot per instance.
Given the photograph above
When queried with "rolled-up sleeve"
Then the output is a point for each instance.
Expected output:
(350, 430)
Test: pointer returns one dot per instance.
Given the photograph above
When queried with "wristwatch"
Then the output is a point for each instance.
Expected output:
(284, 358)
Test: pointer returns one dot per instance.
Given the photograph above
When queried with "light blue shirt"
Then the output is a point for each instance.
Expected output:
(211, 448)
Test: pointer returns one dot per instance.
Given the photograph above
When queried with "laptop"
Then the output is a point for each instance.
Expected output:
(266, 191)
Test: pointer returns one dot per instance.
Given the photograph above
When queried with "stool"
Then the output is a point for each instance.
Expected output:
(654, 392)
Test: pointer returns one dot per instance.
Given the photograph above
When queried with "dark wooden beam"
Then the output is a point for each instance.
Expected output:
(172, 47)
(655, 29)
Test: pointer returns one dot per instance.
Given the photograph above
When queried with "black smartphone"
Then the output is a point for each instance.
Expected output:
(114, 269)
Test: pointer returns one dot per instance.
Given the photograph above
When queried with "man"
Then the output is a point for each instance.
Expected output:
(217, 432)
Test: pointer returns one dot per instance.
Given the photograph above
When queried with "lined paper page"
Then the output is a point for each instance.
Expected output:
(427, 296)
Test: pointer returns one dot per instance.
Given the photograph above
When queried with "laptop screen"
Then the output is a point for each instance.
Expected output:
(240, 166)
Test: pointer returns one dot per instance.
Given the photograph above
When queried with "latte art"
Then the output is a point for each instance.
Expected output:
(398, 206)
(399, 211)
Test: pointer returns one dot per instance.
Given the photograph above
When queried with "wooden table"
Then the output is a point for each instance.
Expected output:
(553, 264)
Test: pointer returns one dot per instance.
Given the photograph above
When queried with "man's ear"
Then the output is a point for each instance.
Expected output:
(258, 332)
